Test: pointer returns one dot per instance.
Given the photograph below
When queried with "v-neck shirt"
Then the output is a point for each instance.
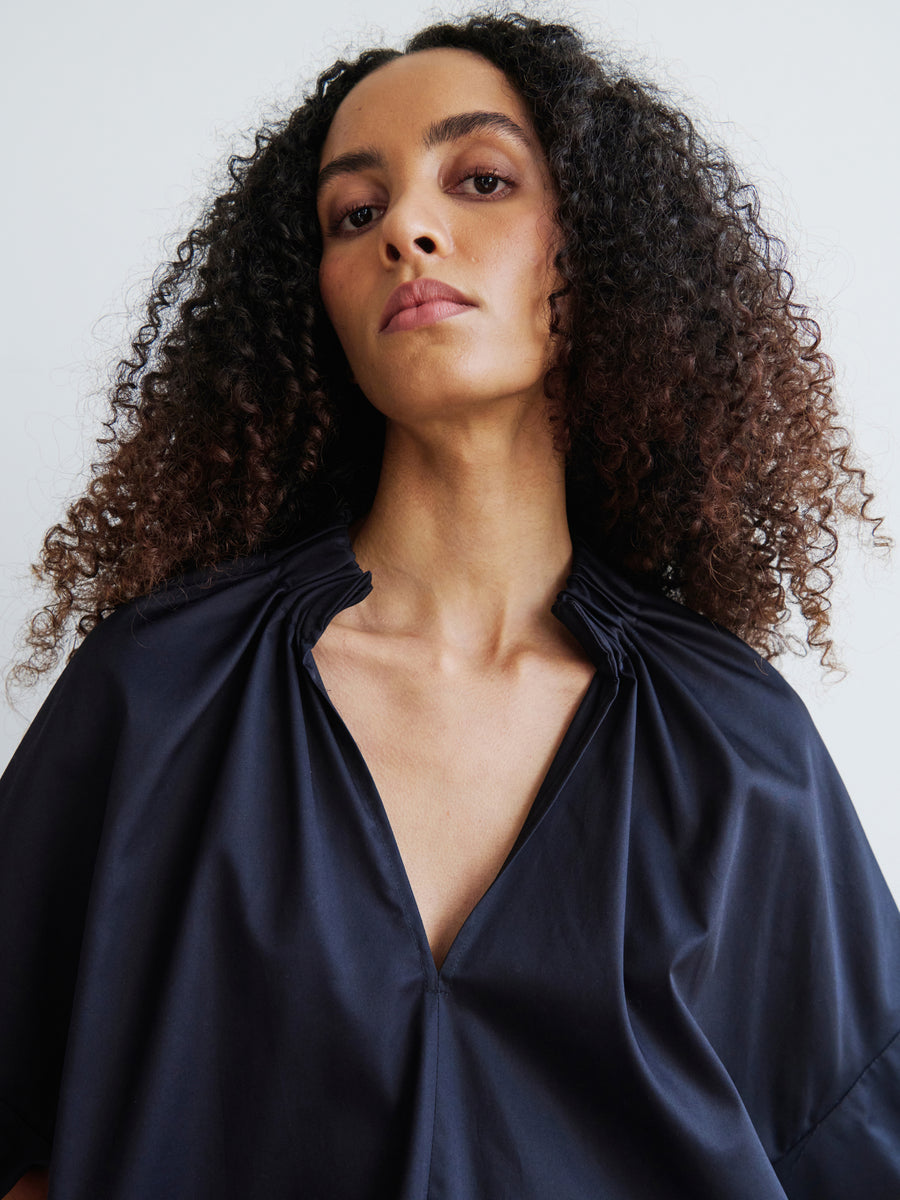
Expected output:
(684, 980)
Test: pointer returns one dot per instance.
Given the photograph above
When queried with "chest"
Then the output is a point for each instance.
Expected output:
(457, 761)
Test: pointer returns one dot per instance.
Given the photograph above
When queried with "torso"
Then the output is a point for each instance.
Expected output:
(457, 755)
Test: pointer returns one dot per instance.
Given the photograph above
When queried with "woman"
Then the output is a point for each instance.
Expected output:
(426, 845)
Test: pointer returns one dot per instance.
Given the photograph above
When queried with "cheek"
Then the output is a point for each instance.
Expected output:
(519, 269)
(328, 290)
(535, 278)
(528, 249)
(338, 295)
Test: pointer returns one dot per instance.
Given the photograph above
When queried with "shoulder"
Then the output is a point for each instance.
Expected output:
(213, 615)
(187, 652)
(176, 665)
(730, 772)
(704, 683)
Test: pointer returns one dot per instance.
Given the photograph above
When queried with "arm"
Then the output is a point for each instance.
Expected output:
(52, 803)
(32, 1186)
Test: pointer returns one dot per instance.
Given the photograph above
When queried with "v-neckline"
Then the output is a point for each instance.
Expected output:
(573, 743)
(588, 715)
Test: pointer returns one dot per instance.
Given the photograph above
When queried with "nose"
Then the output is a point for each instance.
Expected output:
(411, 228)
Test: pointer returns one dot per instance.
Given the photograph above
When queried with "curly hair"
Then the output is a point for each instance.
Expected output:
(694, 404)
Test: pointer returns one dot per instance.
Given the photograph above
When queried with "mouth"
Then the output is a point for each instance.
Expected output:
(422, 302)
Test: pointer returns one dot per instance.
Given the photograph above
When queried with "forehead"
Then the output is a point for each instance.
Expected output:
(407, 93)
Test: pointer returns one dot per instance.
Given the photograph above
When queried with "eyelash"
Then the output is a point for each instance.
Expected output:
(473, 173)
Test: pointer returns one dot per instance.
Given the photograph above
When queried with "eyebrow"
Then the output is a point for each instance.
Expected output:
(447, 129)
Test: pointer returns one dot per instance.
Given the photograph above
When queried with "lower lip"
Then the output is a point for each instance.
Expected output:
(425, 314)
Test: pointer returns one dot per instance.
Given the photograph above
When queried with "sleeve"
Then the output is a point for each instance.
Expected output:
(807, 978)
(848, 971)
(794, 978)
(844, 942)
(854, 1149)
(52, 803)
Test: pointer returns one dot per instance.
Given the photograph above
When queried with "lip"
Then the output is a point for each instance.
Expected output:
(435, 299)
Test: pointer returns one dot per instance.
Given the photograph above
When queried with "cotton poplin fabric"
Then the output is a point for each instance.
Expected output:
(683, 983)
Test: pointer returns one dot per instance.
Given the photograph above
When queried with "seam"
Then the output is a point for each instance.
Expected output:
(809, 1132)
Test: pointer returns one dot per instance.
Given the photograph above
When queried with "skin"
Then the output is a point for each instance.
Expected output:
(467, 539)
(32, 1186)
(425, 213)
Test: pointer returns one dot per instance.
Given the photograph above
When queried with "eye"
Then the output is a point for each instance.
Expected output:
(357, 217)
(485, 182)
(360, 216)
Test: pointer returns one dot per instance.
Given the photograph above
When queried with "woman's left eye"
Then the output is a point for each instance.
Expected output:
(485, 183)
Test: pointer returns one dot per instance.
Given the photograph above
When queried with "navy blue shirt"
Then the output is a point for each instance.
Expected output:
(214, 982)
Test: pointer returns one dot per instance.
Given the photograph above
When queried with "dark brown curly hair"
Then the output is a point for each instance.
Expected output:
(693, 402)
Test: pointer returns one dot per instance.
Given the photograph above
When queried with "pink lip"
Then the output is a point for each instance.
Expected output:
(421, 302)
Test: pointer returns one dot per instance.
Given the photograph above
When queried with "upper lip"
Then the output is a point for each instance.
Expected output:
(416, 292)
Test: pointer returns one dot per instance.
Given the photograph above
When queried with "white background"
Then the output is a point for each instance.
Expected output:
(118, 117)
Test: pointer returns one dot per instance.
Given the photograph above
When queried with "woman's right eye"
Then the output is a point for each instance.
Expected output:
(360, 216)
(357, 217)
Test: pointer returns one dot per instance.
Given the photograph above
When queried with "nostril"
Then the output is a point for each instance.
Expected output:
(426, 244)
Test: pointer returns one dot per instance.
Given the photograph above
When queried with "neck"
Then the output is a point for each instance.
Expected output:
(467, 539)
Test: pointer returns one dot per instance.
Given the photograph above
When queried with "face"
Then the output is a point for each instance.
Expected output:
(431, 177)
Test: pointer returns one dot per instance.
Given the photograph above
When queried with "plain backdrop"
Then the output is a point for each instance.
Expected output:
(118, 119)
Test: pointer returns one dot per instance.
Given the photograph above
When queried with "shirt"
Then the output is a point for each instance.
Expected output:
(683, 983)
